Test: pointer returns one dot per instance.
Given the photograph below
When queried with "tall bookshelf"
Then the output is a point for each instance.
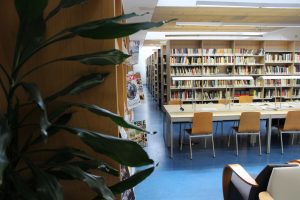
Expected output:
(152, 75)
(217, 58)
(163, 78)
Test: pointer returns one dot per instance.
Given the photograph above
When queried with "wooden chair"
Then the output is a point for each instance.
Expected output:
(249, 125)
(291, 125)
(174, 102)
(202, 126)
(245, 99)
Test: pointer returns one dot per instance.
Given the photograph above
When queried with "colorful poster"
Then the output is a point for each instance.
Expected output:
(128, 194)
(134, 46)
(133, 96)
(138, 136)
(140, 86)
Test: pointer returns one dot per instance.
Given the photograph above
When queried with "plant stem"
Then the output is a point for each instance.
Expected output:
(6, 73)
(57, 37)
(3, 88)
(38, 67)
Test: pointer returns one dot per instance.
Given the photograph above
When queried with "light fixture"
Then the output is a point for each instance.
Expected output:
(278, 77)
(213, 35)
(260, 25)
(247, 4)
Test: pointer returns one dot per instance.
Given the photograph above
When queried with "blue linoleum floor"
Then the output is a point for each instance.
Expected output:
(201, 178)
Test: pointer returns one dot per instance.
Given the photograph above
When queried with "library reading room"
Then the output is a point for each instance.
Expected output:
(152, 100)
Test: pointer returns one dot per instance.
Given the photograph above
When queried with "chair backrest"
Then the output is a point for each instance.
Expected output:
(224, 101)
(245, 99)
(263, 179)
(202, 123)
(292, 121)
(249, 122)
(174, 102)
(284, 183)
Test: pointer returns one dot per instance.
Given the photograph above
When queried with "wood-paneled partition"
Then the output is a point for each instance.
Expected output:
(52, 78)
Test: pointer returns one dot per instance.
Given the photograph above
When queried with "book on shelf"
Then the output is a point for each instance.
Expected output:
(186, 51)
(217, 51)
(278, 57)
(245, 51)
(245, 60)
(279, 69)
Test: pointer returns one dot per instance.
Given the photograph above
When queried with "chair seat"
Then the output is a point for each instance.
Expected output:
(236, 128)
(189, 131)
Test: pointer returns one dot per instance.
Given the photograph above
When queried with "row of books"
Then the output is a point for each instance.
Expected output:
(179, 71)
(282, 57)
(217, 51)
(269, 93)
(218, 60)
(296, 93)
(199, 51)
(250, 51)
(246, 70)
(186, 60)
(278, 82)
(190, 51)
(245, 60)
(297, 57)
(281, 69)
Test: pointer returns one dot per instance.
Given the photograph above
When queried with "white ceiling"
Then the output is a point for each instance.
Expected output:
(139, 7)
(144, 6)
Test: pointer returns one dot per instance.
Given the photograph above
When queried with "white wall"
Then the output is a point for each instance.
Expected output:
(144, 53)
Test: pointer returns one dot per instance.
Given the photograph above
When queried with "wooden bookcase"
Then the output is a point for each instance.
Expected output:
(232, 58)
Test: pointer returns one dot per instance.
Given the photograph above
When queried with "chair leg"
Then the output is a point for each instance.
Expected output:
(293, 138)
(213, 145)
(191, 154)
(236, 144)
(222, 128)
(181, 140)
(180, 132)
(204, 143)
(259, 142)
(281, 143)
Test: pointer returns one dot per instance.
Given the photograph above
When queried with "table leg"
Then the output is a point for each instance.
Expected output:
(171, 137)
(269, 134)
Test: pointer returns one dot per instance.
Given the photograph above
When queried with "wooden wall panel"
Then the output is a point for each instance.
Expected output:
(52, 78)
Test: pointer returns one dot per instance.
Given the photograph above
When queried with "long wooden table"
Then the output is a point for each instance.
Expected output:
(223, 112)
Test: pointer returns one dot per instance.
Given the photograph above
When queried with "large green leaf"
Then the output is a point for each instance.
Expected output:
(87, 165)
(103, 112)
(107, 29)
(47, 186)
(35, 95)
(131, 181)
(23, 189)
(52, 130)
(64, 4)
(83, 83)
(5, 138)
(30, 10)
(96, 183)
(111, 57)
(31, 28)
(124, 151)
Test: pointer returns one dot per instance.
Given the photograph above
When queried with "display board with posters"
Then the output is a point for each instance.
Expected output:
(138, 136)
(133, 96)
(140, 86)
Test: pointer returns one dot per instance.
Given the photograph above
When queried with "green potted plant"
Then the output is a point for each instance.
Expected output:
(20, 176)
